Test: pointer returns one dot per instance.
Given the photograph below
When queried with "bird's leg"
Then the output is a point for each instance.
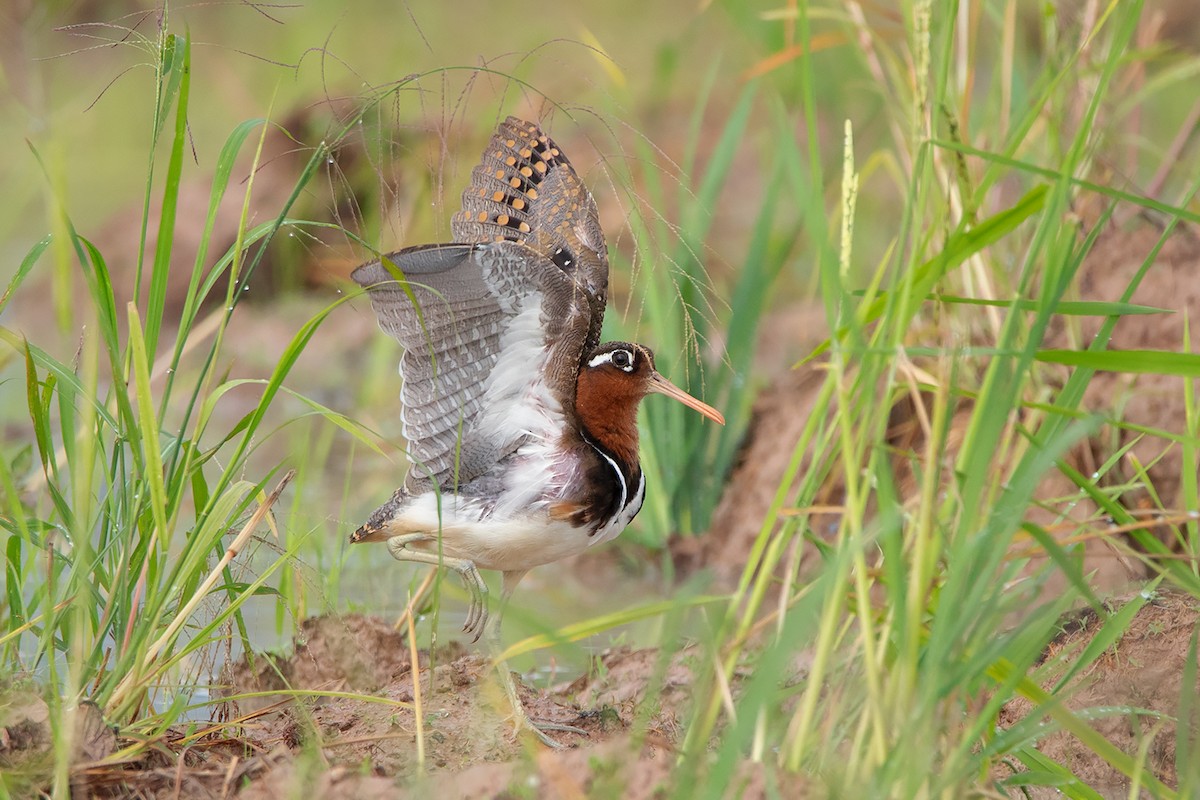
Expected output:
(477, 614)
(495, 647)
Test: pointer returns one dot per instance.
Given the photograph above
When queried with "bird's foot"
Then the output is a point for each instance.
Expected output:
(522, 722)
(477, 614)
(520, 719)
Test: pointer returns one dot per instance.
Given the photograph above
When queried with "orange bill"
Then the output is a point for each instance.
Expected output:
(661, 385)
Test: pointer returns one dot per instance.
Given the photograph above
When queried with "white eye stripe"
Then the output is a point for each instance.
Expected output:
(607, 358)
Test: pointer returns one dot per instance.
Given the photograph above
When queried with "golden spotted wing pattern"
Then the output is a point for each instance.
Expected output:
(494, 326)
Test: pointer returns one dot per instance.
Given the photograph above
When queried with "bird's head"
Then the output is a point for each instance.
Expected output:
(613, 380)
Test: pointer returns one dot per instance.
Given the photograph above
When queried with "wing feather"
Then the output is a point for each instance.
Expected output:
(495, 328)
(493, 336)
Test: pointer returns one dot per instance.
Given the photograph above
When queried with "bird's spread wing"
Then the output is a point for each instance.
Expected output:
(493, 335)
(495, 327)
(525, 190)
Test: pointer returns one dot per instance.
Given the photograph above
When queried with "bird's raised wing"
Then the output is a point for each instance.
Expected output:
(493, 335)
(525, 190)
(495, 327)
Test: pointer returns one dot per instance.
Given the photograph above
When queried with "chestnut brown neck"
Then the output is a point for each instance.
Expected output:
(607, 406)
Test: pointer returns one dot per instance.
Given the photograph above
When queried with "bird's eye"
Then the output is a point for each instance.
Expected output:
(622, 359)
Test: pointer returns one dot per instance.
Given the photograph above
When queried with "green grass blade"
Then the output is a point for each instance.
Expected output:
(961, 246)
(181, 73)
(591, 627)
(1070, 308)
(23, 270)
(1187, 723)
(1141, 362)
(148, 419)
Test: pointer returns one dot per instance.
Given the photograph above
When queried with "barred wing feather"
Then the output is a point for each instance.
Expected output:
(493, 335)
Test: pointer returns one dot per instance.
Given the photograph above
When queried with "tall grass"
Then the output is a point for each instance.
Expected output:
(687, 460)
(918, 624)
(123, 529)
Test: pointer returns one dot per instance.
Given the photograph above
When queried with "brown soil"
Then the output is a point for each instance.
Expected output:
(1139, 680)
(363, 655)
(355, 733)
(1156, 401)
(362, 743)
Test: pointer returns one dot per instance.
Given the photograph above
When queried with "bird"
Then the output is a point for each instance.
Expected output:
(521, 425)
